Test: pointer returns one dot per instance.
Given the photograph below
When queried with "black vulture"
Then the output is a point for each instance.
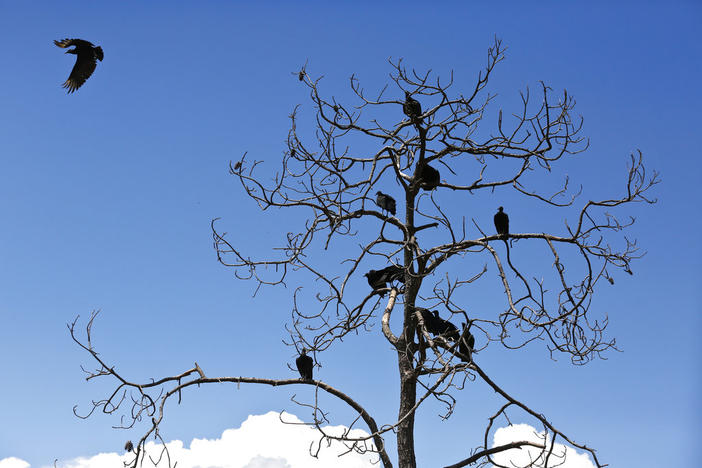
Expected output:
(501, 222)
(378, 279)
(412, 108)
(430, 322)
(445, 328)
(429, 178)
(304, 365)
(87, 56)
(394, 273)
(385, 202)
(467, 343)
(129, 446)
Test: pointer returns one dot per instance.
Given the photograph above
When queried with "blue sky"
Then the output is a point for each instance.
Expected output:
(106, 198)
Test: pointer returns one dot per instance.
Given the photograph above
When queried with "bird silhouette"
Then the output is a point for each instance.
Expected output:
(501, 222)
(129, 446)
(438, 326)
(87, 56)
(385, 202)
(379, 279)
(429, 178)
(304, 365)
(430, 322)
(445, 328)
(412, 108)
(376, 280)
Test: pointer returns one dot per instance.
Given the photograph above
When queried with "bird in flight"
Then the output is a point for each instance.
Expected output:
(87, 56)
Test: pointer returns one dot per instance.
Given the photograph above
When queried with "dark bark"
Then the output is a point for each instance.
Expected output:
(408, 396)
(405, 349)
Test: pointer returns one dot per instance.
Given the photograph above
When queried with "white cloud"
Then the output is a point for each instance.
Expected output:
(13, 462)
(563, 456)
(262, 441)
(265, 462)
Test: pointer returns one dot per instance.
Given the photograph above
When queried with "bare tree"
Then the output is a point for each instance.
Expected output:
(408, 144)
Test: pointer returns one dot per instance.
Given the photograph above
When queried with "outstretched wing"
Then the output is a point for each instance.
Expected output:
(84, 67)
(64, 43)
(86, 58)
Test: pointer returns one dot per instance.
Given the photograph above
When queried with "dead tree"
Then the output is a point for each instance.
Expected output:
(335, 186)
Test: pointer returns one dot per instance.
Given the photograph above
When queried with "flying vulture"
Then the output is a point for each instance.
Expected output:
(467, 343)
(501, 222)
(385, 202)
(86, 61)
(412, 108)
(304, 365)
(429, 178)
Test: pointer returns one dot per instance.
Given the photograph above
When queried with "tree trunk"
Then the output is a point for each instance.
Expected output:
(408, 396)
(408, 379)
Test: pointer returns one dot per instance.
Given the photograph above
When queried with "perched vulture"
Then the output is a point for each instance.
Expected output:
(412, 108)
(394, 273)
(429, 178)
(376, 280)
(304, 365)
(385, 202)
(501, 222)
(430, 322)
(445, 328)
(467, 343)
(86, 61)
(379, 279)
(129, 446)
(438, 326)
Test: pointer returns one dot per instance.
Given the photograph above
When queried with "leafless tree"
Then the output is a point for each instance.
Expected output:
(332, 175)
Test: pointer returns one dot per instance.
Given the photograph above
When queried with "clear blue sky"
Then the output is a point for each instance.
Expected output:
(106, 197)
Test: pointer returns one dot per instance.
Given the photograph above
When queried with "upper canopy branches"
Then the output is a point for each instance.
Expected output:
(385, 144)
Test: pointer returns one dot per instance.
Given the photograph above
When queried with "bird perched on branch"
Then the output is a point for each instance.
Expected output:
(430, 322)
(129, 446)
(87, 56)
(501, 222)
(385, 202)
(379, 279)
(304, 365)
(445, 328)
(429, 178)
(438, 326)
(412, 108)
(376, 280)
